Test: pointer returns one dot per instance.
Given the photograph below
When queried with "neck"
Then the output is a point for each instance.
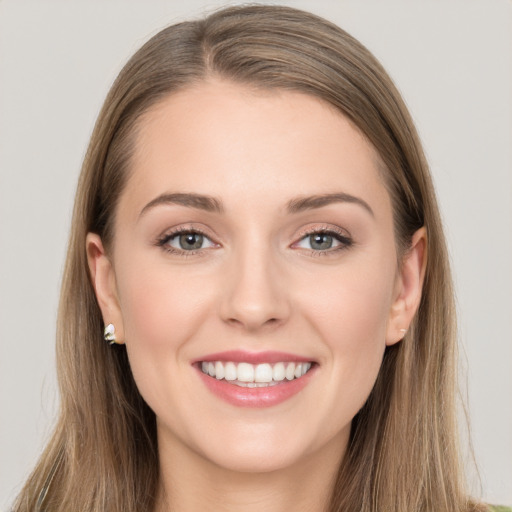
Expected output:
(189, 482)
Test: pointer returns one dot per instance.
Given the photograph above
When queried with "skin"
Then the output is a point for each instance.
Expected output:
(256, 284)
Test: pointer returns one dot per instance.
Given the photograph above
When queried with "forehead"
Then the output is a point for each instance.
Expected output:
(229, 140)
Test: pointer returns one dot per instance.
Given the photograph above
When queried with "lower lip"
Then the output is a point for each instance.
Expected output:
(256, 397)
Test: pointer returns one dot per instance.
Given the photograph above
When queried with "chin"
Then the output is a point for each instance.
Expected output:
(265, 450)
(263, 460)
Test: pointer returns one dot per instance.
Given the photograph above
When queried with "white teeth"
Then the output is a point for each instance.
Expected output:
(259, 375)
(245, 372)
(278, 372)
(263, 373)
(254, 384)
(290, 371)
(219, 370)
(230, 372)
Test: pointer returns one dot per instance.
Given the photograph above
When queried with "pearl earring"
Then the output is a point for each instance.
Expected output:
(109, 334)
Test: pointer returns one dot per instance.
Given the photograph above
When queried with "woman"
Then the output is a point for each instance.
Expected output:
(257, 240)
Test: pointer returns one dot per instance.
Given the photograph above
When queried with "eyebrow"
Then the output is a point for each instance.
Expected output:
(212, 204)
(199, 201)
(318, 201)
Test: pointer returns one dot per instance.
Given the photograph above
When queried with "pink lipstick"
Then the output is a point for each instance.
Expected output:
(252, 379)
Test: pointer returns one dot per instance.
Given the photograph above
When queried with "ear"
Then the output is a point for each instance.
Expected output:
(104, 283)
(408, 288)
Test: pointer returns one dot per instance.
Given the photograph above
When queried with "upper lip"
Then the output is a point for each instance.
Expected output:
(242, 356)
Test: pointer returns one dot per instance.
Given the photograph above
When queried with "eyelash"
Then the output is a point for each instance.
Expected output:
(345, 241)
(343, 238)
(165, 239)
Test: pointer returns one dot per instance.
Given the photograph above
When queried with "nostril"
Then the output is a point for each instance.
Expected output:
(253, 324)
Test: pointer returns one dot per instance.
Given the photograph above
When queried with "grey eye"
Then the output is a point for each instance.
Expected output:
(189, 241)
(321, 241)
(324, 241)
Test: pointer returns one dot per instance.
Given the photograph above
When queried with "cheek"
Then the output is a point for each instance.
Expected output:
(160, 306)
(352, 307)
(162, 310)
(351, 314)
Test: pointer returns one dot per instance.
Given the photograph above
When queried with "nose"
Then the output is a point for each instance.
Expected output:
(254, 293)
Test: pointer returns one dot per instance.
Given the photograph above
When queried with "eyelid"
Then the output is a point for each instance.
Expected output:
(323, 228)
(342, 236)
(187, 227)
(161, 240)
(176, 237)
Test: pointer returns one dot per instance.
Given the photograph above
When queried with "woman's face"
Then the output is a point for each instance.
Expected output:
(253, 244)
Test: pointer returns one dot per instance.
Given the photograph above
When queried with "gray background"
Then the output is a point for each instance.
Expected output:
(453, 62)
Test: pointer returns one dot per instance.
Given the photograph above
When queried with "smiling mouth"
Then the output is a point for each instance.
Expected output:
(255, 375)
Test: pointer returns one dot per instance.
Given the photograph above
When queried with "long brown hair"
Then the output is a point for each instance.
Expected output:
(403, 453)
